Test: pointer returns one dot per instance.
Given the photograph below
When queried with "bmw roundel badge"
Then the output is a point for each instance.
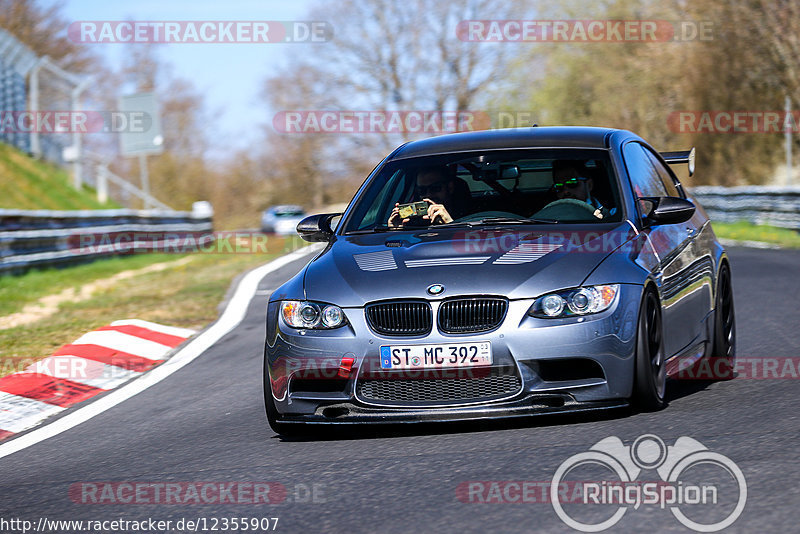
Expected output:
(435, 289)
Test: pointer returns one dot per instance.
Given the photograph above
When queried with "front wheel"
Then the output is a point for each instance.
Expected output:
(650, 370)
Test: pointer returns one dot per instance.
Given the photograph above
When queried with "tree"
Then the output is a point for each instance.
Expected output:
(42, 30)
(638, 86)
(384, 56)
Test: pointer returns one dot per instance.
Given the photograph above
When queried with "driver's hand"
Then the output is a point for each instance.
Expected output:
(437, 213)
(598, 213)
(394, 217)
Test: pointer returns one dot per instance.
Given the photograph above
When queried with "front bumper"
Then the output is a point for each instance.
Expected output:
(529, 405)
(526, 344)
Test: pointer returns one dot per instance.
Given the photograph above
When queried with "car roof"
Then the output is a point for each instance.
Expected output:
(531, 137)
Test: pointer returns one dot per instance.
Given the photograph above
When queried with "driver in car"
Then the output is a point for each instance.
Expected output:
(571, 180)
(437, 187)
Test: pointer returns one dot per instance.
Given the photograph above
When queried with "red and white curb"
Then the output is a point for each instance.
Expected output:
(234, 313)
(94, 363)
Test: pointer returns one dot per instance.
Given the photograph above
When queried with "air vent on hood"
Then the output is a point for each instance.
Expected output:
(376, 261)
(443, 262)
(526, 253)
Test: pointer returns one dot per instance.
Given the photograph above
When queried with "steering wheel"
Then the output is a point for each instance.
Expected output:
(568, 209)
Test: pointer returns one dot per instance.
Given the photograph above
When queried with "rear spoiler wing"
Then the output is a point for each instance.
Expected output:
(680, 157)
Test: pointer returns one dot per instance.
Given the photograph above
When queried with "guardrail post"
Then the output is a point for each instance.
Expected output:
(102, 183)
(788, 132)
(145, 180)
(36, 145)
(77, 140)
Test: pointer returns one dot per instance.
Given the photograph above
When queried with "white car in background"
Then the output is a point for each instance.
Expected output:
(281, 219)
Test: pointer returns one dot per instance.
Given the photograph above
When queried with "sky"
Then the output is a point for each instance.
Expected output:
(230, 76)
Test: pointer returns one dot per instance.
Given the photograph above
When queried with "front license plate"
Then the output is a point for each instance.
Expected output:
(436, 356)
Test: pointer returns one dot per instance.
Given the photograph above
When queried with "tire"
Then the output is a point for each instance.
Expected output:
(650, 370)
(723, 342)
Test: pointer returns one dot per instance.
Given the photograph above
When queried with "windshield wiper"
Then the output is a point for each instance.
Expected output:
(450, 224)
(479, 222)
(374, 230)
(385, 228)
(511, 220)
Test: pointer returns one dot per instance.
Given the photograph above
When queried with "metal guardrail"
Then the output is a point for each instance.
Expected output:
(41, 238)
(775, 206)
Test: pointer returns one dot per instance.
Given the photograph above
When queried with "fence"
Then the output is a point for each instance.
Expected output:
(19, 78)
(30, 83)
(16, 60)
(776, 206)
(55, 238)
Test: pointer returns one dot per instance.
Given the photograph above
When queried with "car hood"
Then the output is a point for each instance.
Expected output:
(512, 261)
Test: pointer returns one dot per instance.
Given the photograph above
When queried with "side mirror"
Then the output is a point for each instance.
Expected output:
(317, 228)
(667, 210)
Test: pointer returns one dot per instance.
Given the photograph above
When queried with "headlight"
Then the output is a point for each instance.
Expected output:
(572, 302)
(303, 314)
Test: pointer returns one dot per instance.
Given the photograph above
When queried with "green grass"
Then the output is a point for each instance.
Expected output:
(29, 184)
(746, 231)
(17, 291)
(186, 295)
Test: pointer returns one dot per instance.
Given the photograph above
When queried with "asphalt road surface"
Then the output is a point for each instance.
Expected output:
(206, 424)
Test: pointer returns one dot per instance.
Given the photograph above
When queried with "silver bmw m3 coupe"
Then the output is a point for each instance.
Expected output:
(498, 274)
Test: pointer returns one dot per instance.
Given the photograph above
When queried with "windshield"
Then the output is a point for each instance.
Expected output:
(493, 187)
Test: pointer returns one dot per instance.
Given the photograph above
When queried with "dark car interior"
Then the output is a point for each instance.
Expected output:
(491, 188)
(525, 187)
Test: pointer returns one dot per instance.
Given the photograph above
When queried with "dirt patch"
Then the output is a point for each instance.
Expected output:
(47, 306)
